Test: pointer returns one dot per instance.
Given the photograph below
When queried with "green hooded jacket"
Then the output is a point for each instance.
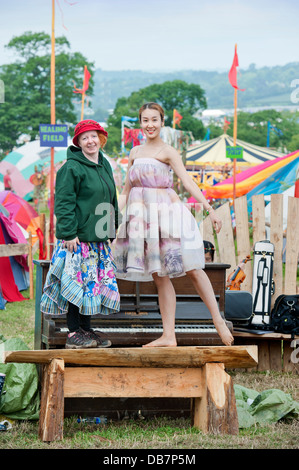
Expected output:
(85, 199)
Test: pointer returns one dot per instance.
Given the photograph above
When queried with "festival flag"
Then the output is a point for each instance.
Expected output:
(176, 118)
(232, 75)
(86, 78)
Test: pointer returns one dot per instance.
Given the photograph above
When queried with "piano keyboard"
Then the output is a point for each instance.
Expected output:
(152, 329)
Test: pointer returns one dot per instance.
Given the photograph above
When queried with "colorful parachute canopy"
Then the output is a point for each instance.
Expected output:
(214, 152)
(23, 213)
(22, 162)
(247, 180)
(278, 182)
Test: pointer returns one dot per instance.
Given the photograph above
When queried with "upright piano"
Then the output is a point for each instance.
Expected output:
(139, 320)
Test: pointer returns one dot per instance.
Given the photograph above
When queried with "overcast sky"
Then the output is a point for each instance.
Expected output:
(162, 35)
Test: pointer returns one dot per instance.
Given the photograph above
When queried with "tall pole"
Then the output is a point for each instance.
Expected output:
(235, 140)
(53, 118)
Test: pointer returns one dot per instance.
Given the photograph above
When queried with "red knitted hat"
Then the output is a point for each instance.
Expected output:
(87, 125)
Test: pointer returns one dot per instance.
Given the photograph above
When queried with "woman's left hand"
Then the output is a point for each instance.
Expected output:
(71, 245)
(216, 221)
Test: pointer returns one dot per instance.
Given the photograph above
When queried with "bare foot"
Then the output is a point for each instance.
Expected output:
(224, 332)
(161, 342)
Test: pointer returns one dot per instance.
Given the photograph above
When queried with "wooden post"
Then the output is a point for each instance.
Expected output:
(52, 402)
(215, 411)
(30, 265)
(243, 240)
(258, 218)
(225, 237)
(276, 237)
(292, 246)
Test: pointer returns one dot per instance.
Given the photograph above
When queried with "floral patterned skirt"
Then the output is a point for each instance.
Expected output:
(85, 278)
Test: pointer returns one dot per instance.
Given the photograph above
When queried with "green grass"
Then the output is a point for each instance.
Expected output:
(17, 320)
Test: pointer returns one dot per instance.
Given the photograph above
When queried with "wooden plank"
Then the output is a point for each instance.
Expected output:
(208, 235)
(243, 239)
(276, 237)
(188, 356)
(14, 249)
(216, 412)
(258, 218)
(225, 237)
(132, 382)
(275, 353)
(52, 402)
(264, 356)
(292, 246)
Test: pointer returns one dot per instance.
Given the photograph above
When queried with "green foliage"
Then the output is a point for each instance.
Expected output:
(27, 86)
(186, 98)
(252, 128)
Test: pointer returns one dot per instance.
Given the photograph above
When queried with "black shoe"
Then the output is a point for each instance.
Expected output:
(79, 341)
(101, 342)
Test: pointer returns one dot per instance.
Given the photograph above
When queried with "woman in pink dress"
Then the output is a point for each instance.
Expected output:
(159, 238)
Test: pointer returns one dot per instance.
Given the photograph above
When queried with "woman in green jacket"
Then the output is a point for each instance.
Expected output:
(81, 280)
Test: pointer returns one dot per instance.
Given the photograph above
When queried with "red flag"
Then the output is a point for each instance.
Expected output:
(232, 76)
(85, 82)
(177, 117)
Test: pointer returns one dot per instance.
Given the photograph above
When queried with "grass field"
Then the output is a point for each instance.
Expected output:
(150, 432)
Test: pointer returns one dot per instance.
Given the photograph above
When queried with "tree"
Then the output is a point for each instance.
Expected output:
(186, 98)
(253, 128)
(27, 86)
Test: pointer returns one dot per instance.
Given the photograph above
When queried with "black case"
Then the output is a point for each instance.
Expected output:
(238, 307)
(262, 282)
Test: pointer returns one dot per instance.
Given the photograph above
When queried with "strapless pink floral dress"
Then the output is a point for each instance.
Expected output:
(158, 233)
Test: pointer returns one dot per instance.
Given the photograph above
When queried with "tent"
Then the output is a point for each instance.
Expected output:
(25, 215)
(249, 179)
(214, 152)
(14, 275)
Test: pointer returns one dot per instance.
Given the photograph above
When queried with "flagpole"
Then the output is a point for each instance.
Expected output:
(83, 94)
(52, 122)
(235, 139)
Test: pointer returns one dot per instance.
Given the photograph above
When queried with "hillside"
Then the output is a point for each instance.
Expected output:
(266, 86)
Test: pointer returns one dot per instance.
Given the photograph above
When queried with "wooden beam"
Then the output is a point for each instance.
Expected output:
(132, 382)
(14, 249)
(189, 356)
